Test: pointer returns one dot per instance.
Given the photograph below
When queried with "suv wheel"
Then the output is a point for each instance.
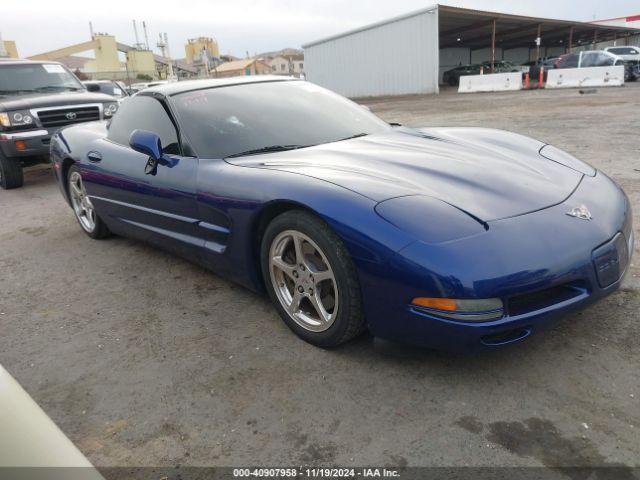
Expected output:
(10, 173)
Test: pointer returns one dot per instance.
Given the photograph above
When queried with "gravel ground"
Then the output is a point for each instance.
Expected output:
(144, 359)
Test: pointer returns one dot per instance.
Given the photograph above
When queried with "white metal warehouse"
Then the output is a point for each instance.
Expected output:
(409, 53)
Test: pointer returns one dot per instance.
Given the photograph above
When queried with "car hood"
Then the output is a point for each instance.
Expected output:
(51, 99)
(490, 174)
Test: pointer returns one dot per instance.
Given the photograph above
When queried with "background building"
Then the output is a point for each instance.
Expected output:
(8, 48)
(118, 61)
(236, 68)
(292, 65)
(203, 53)
(632, 21)
(408, 54)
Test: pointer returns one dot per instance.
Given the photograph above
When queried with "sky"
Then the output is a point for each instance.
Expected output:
(245, 26)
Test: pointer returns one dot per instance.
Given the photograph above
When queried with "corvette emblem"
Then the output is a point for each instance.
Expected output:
(581, 212)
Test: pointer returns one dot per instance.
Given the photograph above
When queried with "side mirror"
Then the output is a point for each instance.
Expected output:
(92, 87)
(146, 142)
(149, 144)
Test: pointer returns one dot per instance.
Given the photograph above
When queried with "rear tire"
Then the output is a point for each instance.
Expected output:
(83, 209)
(11, 175)
(311, 279)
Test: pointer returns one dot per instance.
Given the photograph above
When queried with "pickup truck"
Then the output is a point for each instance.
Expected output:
(36, 99)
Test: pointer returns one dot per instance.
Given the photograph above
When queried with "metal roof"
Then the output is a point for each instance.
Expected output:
(372, 26)
(238, 64)
(473, 29)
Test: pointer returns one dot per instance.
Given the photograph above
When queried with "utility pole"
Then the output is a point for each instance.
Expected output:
(169, 62)
(163, 45)
(126, 67)
(146, 38)
(135, 31)
(205, 60)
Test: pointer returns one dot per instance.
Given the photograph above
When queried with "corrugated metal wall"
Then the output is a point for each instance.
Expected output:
(395, 58)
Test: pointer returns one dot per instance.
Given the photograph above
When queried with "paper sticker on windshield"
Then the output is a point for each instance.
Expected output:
(117, 91)
(53, 68)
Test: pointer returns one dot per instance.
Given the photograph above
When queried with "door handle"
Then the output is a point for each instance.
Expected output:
(94, 156)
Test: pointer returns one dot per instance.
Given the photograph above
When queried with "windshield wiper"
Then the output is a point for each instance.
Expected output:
(56, 87)
(357, 135)
(269, 149)
(11, 92)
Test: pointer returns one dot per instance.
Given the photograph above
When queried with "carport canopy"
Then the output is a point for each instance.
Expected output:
(474, 29)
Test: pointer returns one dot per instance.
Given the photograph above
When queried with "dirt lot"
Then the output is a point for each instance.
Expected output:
(144, 359)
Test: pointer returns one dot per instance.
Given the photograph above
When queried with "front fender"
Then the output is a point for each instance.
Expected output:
(237, 196)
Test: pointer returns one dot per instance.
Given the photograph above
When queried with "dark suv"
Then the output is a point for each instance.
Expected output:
(36, 99)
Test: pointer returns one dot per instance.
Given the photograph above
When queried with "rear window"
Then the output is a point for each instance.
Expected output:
(624, 51)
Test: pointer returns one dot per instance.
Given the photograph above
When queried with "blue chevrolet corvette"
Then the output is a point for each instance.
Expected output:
(453, 238)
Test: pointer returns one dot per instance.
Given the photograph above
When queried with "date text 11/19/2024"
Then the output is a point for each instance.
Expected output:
(317, 472)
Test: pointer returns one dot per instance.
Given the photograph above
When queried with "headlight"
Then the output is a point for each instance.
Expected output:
(16, 119)
(21, 118)
(110, 109)
(464, 310)
(428, 219)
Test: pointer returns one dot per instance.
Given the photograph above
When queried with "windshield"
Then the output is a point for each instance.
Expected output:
(226, 121)
(36, 77)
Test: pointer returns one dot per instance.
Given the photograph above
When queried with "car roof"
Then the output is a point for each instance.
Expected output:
(594, 51)
(16, 61)
(175, 88)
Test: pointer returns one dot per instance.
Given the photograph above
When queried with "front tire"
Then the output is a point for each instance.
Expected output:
(11, 175)
(311, 279)
(83, 209)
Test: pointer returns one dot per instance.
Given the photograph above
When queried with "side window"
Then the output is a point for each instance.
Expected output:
(589, 60)
(605, 60)
(144, 113)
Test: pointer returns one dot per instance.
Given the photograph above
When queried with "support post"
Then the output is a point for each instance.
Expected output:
(570, 45)
(493, 45)
(595, 38)
(538, 41)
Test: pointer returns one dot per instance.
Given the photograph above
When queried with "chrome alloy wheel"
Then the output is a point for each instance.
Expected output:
(82, 206)
(303, 281)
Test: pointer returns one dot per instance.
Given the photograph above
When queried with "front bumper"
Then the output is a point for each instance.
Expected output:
(542, 265)
(36, 142)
